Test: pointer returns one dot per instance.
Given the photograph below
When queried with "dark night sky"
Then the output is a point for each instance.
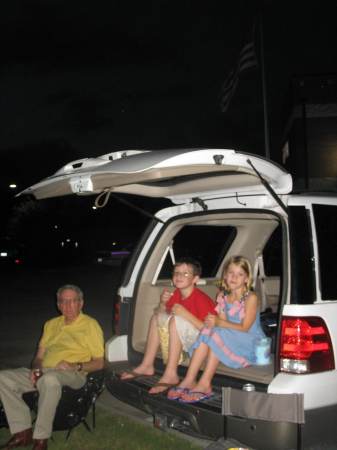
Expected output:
(131, 74)
(148, 74)
(83, 78)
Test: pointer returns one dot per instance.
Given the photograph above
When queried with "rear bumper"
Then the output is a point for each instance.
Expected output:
(209, 419)
(203, 420)
(318, 432)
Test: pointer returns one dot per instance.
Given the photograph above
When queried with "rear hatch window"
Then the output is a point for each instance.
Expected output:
(196, 241)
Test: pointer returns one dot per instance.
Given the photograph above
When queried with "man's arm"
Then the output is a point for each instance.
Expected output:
(37, 363)
(89, 366)
(94, 364)
(38, 358)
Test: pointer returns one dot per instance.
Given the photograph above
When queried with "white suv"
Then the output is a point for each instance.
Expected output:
(227, 203)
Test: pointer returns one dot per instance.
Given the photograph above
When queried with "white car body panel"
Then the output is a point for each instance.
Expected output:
(319, 389)
(116, 348)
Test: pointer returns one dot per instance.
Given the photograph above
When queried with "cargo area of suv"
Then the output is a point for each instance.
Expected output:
(227, 203)
(208, 236)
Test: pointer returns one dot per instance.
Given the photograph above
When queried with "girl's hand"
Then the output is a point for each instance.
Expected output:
(210, 321)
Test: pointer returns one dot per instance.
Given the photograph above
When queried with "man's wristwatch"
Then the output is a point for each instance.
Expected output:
(79, 367)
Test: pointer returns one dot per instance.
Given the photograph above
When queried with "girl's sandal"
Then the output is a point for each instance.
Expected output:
(195, 396)
(175, 393)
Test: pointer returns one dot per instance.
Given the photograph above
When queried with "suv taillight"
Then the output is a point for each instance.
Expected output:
(116, 314)
(305, 345)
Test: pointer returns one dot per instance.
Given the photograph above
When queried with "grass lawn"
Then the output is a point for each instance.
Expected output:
(114, 433)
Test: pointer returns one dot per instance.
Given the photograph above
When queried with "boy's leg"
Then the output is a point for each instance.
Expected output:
(175, 349)
(146, 367)
(170, 375)
(152, 344)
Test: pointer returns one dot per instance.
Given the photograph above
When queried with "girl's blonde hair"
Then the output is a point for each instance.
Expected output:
(244, 264)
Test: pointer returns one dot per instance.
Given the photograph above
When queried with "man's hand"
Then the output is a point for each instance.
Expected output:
(64, 365)
(32, 376)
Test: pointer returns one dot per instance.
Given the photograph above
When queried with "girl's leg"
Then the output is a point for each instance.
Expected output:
(198, 357)
(205, 382)
(146, 367)
(170, 375)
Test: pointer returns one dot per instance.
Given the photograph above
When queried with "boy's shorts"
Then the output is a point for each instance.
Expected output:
(187, 332)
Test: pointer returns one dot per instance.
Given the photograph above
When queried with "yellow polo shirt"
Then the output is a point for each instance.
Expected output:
(80, 341)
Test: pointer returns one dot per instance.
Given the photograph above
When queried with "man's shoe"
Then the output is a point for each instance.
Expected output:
(20, 439)
(40, 444)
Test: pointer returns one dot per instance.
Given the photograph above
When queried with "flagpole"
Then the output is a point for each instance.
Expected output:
(264, 92)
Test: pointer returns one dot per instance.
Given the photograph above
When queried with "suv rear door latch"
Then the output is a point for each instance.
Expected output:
(200, 202)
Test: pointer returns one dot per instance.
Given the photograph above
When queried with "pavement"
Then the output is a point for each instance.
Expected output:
(109, 403)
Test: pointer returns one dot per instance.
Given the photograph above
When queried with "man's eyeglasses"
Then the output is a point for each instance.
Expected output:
(182, 274)
(70, 301)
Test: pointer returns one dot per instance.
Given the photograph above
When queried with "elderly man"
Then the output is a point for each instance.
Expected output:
(70, 347)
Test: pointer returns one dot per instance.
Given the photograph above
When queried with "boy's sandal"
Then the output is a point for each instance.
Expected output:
(131, 375)
(175, 393)
(164, 388)
(195, 396)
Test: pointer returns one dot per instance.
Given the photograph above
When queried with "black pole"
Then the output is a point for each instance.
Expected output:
(264, 91)
(305, 145)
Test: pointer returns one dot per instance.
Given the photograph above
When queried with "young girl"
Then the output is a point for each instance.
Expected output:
(227, 337)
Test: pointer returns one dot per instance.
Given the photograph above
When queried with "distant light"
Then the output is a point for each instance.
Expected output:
(56, 227)
(114, 243)
(68, 239)
(12, 186)
(120, 253)
(94, 207)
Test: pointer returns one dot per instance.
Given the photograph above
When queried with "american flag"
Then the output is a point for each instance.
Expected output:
(247, 59)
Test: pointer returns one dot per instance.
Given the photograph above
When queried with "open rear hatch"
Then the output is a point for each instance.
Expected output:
(175, 174)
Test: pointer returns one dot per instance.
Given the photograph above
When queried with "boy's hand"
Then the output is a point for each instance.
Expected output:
(178, 310)
(165, 296)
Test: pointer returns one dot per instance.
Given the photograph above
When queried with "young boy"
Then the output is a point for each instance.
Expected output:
(182, 314)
